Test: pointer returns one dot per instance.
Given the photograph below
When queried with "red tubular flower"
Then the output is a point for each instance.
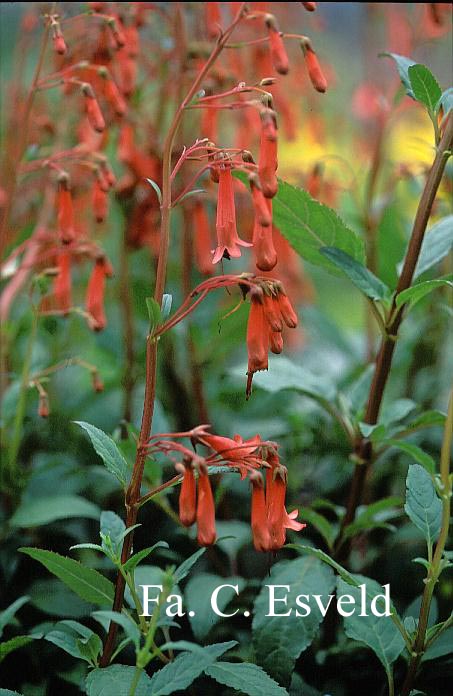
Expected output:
(276, 341)
(206, 532)
(100, 202)
(287, 311)
(188, 497)
(259, 524)
(315, 73)
(257, 338)
(95, 294)
(43, 406)
(310, 6)
(202, 239)
(263, 243)
(233, 450)
(116, 31)
(213, 19)
(268, 163)
(228, 241)
(114, 96)
(62, 282)
(278, 518)
(278, 52)
(65, 214)
(94, 113)
(272, 312)
(263, 213)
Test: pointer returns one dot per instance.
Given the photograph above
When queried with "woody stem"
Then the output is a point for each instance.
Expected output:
(384, 358)
(133, 491)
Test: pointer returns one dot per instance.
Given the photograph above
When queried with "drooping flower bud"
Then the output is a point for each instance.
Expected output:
(206, 531)
(286, 309)
(65, 210)
(112, 94)
(116, 32)
(258, 521)
(96, 381)
(43, 405)
(257, 337)
(268, 162)
(94, 113)
(315, 73)
(58, 41)
(95, 294)
(100, 202)
(263, 215)
(188, 496)
(276, 342)
(310, 6)
(263, 243)
(278, 52)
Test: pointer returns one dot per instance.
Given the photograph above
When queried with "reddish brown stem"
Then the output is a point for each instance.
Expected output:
(385, 355)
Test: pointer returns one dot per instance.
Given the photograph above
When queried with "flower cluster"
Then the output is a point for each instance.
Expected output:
(269, 518)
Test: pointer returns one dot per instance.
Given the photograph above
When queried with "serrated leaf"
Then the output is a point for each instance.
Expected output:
(403, 64)
(278, 641)
(424, 86)
(378, 632)
(108, 451)
(33, 513)
(197, 593)
(154, 313)
(415, 452)
(87, 583)
(246, 678)
(51, 596)
(423, 505)
(184, 569)
(309, 225)
(9, 646)
(179, 674)
(134, 560)
(70, 636)
(8, 614)
(437, 243)
(417, 292)
(117, 680)
(357, 273)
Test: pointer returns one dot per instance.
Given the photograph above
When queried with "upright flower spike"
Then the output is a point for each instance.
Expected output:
(94, 113)
(65, 210)
(315, 73)
(263, 243)
(95, 294)
(258, 521)
(278, 51)
(257, 337)
(228, 241)
(206, 531)
(62, 282)
(188, 496)
(268, 162)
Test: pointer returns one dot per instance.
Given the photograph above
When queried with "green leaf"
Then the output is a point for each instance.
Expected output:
(378, 632)
(417, 292)
(197, 593)
(396, 411)
(309, 226)
(415, 452)
(233, 535)
(108, 451)
(319, 522)
(427, 419)
(285, 374)
(87, 583)
(53, 597)
(374, 516)
(184, 569)
(13, 644)
(279, 640)
(179, 674)
(117, 680)
(441, 646)
(446, 101)
(126, 623)
(134, 560)
(154, 313)
(8, 614)
(75, 639)
(155, 186)
(166, 306)
(8, 692)
(423, 506)
(357, 273)
(403, 64)
(44, 510)
(112, 527)
(437, 243)
(246, 678)
(424, 86)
